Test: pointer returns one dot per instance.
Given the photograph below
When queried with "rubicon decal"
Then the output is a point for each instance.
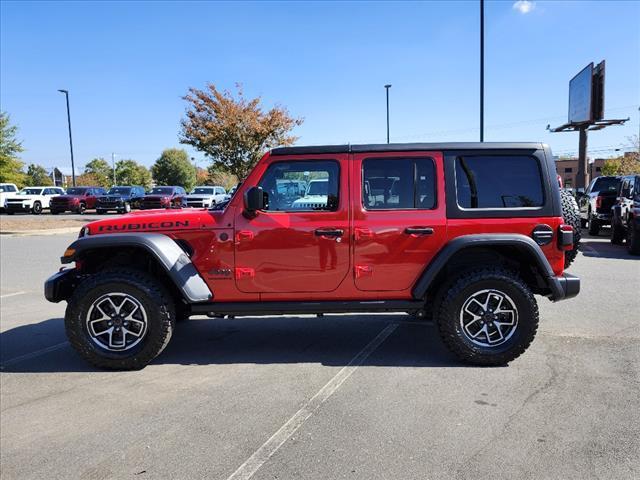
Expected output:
(143, 226)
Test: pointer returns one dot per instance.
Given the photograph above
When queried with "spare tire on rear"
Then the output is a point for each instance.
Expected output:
(571, 216)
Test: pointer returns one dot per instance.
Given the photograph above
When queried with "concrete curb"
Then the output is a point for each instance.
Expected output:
(33, 233)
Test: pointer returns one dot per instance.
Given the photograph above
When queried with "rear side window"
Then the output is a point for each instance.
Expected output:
(398, 184)
(492, 181)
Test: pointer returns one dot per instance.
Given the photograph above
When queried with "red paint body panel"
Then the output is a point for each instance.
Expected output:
(276, 256)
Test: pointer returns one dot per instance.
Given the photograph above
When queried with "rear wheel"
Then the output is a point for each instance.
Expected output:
(120, 319)
(571, 216)
(81, 208)
(594, 226)
(488, 317)
(617, 233)
(633, 239)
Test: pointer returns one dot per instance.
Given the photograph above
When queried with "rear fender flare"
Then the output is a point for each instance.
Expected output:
(522, 242)
(168, 253)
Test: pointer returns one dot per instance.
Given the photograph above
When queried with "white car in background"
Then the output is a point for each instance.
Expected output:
(206, 196)
(316, 196)
(32, 199)
(6, 190)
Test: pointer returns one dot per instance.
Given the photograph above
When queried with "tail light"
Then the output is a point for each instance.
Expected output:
(565, 237)
(598, 201)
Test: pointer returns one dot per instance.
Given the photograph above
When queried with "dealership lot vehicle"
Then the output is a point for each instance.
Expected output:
(6, 190)
(224, 387)
(32, 200)
(595, 204)
(164, 197)
(206, 197)
(122, 199)
(625, 224)
(77, 200)
(470, 250)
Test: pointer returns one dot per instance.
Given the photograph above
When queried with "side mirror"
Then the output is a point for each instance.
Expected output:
(254, 199)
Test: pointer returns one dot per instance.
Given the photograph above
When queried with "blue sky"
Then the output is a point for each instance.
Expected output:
(127, 65)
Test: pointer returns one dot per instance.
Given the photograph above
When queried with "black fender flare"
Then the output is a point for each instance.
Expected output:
(519, 241)
(168, 253)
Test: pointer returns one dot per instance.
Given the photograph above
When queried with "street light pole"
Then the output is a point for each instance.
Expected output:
(387, 87)
(73, 169)
(482, 70)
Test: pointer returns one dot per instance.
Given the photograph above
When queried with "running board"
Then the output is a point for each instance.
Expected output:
(290, 308)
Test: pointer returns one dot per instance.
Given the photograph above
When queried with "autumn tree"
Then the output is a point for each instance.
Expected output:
(10, 147)
(130, 172)
(233, 131)
(101, 171)
(625, 165)
(174, 168)
(37, 175)
(88, 180)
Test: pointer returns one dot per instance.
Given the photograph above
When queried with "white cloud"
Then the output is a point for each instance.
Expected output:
(524, 6)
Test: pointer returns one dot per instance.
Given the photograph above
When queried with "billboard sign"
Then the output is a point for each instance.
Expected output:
(580, 88)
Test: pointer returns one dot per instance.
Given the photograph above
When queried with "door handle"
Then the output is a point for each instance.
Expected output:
(418, 231)
(329, 232)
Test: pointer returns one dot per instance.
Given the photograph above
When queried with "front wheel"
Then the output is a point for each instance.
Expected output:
(594, 226)
(633, 240)
(488, 317)
(120, 319)
(617, 233)
(37, 208)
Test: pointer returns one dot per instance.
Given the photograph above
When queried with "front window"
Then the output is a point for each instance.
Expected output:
(30, 191)
(301, 186)
(492, 181)
(203, 191)
(161, 191)
(76, 191)
(119, 191)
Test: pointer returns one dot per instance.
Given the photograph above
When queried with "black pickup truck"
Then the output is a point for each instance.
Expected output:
(595, 205)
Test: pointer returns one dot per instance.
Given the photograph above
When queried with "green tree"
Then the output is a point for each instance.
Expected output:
(130, 172)
(627, 164)
(234, 131)
(174, 168)
(10, 147)
(37, 175)
(101, 171)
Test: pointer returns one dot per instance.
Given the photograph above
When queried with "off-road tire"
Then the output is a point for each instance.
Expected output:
(633, 239)
(36, 209)
(448, 316)
(617, 233)
(571, 216)
(156, 301)
(594, 226)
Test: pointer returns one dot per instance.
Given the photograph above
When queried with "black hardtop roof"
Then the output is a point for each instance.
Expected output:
(406, 147)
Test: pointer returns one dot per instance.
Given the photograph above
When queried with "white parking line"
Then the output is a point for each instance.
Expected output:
(37, 353)
(271, 446)
(12, 294)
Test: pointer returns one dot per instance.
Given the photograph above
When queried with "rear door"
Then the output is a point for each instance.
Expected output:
(399, 217)
(298, 243)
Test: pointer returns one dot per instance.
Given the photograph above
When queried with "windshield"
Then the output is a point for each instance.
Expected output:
(203, 190)
(162, 190)
(7, 188)
(119, 190)
(30, 191)
(76, 191)
(318, 188)
(606, 184)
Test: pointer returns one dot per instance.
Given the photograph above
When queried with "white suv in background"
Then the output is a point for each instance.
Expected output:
(32, 199)
(6, 190)
(206, 197)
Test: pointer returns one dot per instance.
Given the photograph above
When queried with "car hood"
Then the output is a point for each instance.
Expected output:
(114, 196)
(22, 197)
(68, 197)
(156, 220)
(200, 195)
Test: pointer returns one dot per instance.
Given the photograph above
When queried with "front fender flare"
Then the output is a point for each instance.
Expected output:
(167, 252)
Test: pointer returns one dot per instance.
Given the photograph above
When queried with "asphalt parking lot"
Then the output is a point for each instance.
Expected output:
(362, 397)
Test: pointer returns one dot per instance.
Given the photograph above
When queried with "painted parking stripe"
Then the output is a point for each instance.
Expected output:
(12, 294)
(271, 446)
(37, 353)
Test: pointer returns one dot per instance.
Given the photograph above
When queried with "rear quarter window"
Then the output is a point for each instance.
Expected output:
(498, 182)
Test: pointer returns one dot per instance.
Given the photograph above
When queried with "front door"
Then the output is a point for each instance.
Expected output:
(399, 220)
(300, 241)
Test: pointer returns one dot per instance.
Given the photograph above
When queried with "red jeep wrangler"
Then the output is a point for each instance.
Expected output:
(465, 233)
